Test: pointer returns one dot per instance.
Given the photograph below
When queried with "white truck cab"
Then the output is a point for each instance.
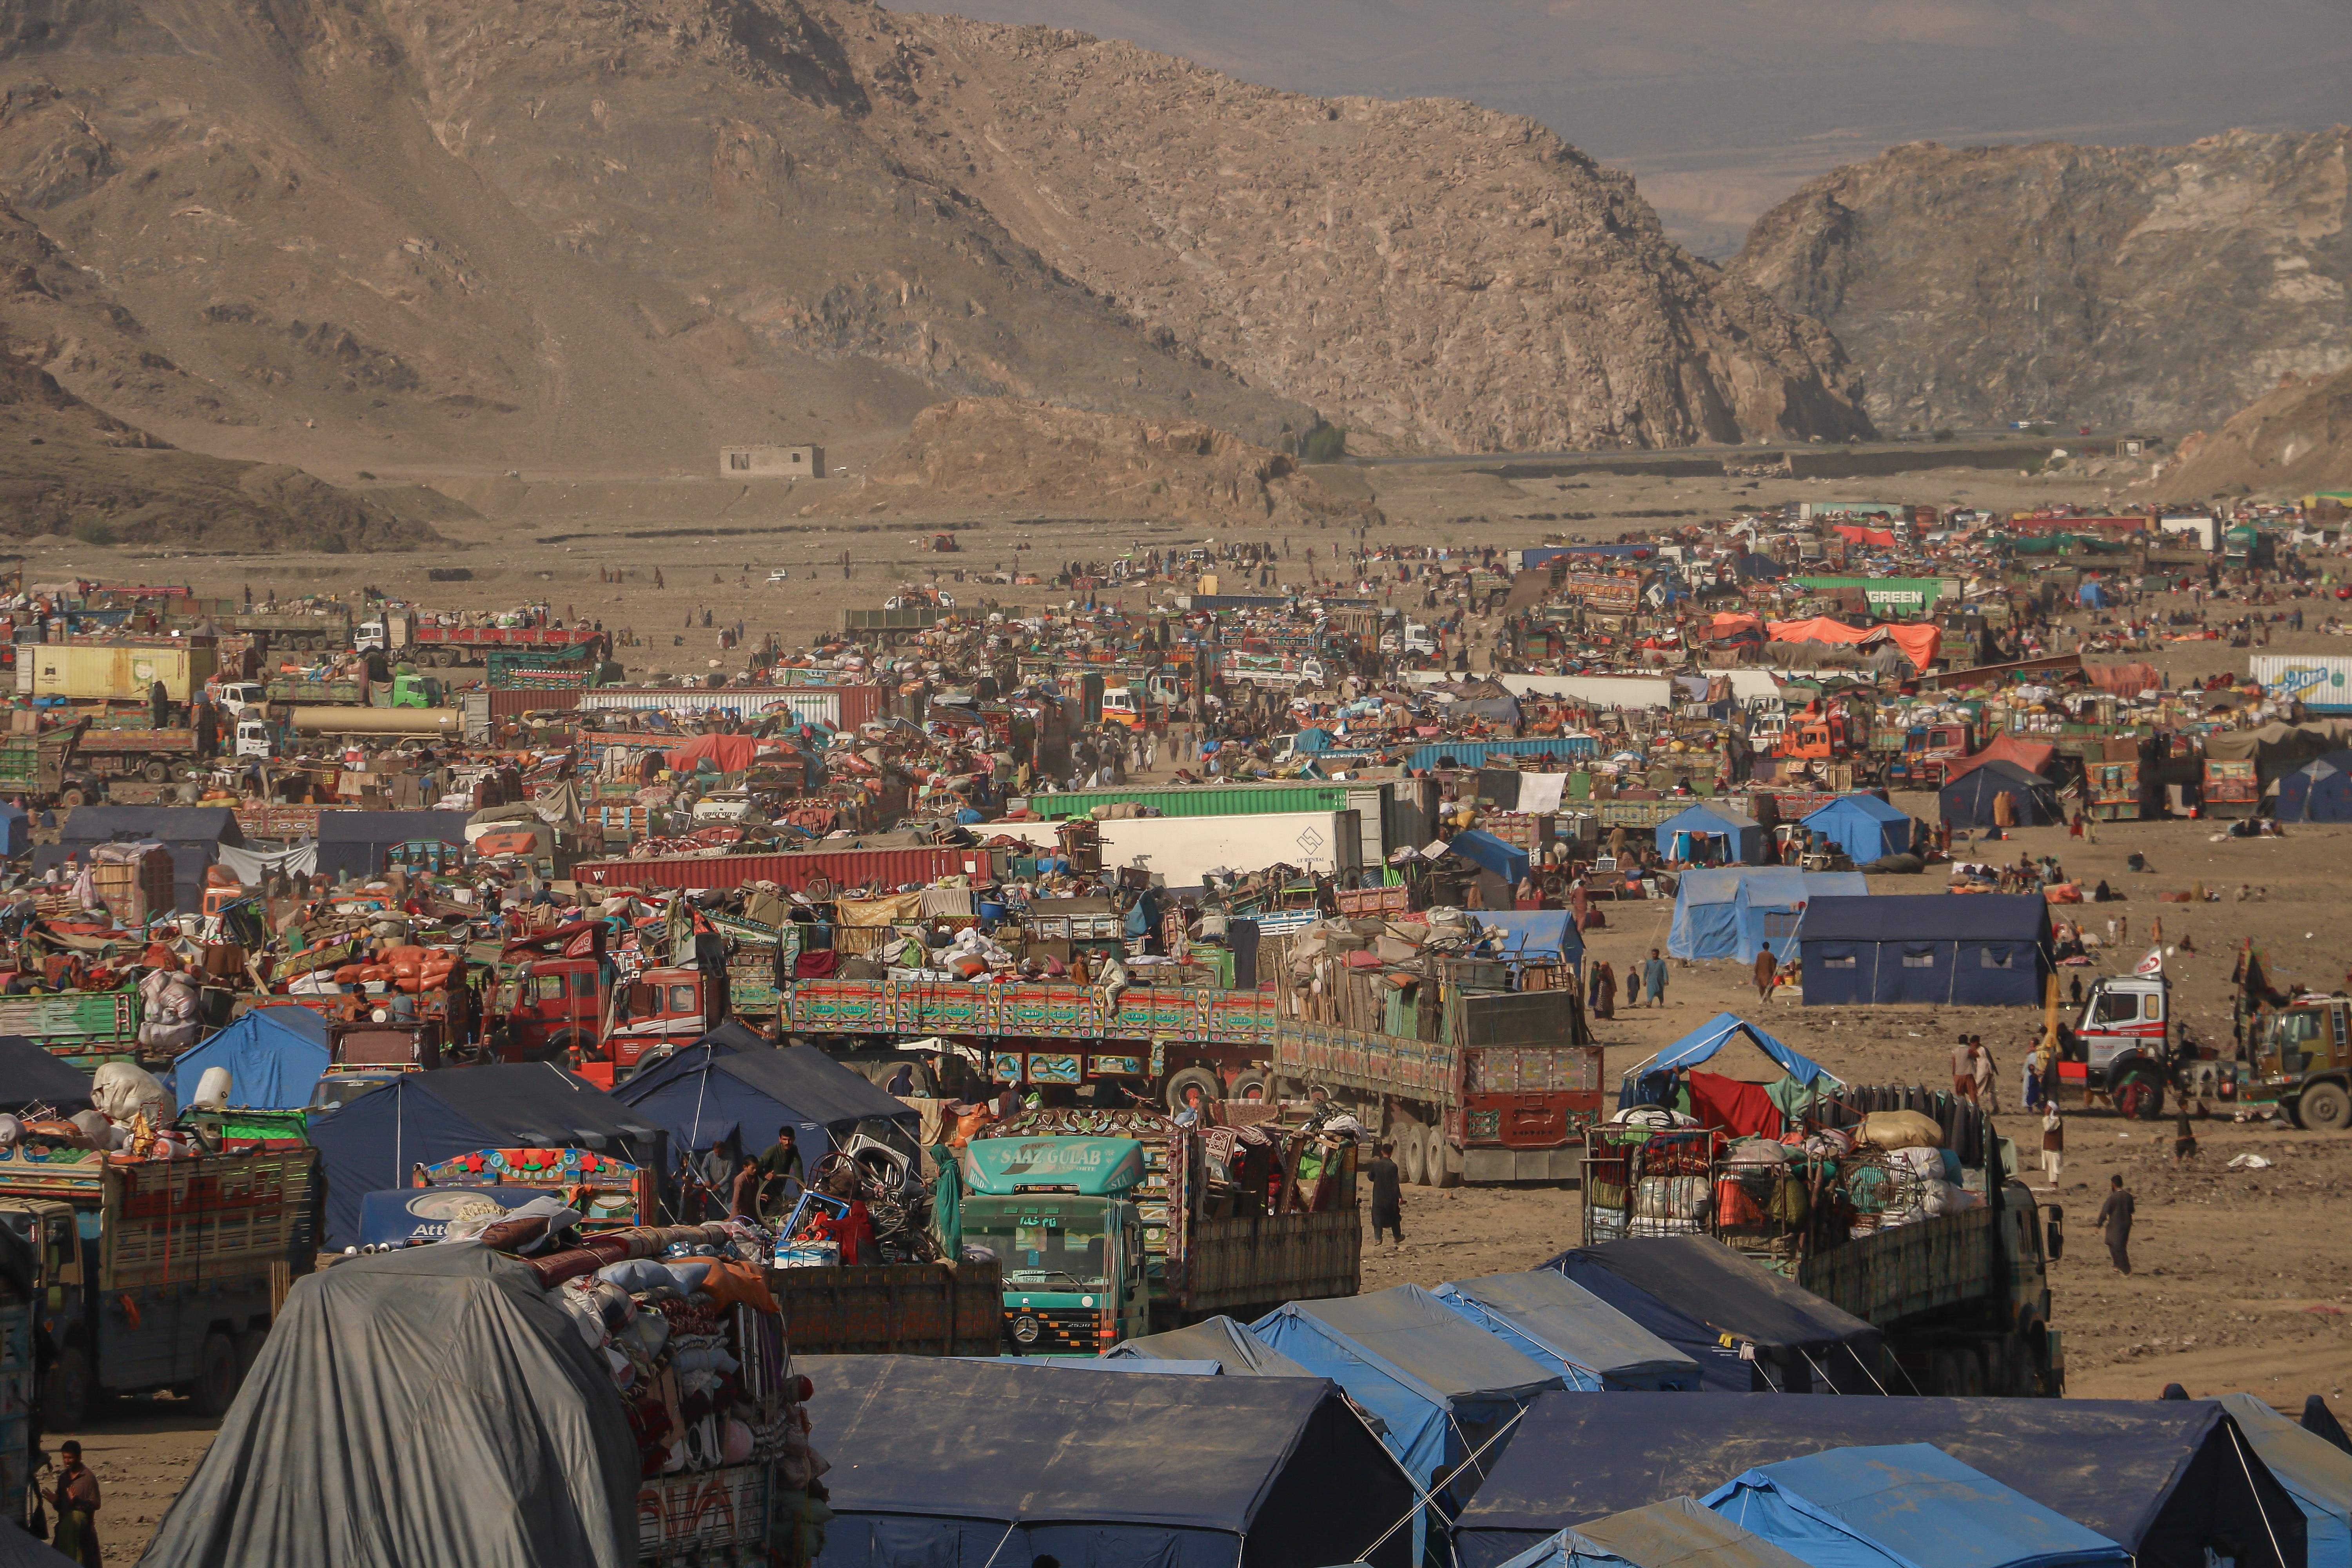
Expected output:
(237, 697)
(2121, 1044)
(253, 737)
(368, 637)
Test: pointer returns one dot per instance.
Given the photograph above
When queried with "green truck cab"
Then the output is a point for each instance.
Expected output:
(2301, 1060)
(1061, 1214)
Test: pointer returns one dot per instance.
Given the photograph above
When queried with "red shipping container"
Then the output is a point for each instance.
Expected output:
(506, 704)
(843, 868)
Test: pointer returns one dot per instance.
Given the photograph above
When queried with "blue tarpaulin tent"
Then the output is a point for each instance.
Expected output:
(16, 830)
(1865, 827)
(1711, 835)
(1222, 1343)
(2315, 1470)
(2169, 1481)
(355, 842)
(734, 1082)
(1556, 1323)
(1441, 1387)
(1967, 801)
(2319, 791)
(1176, 1471)
(1908, 1505)
(1738, 911)
(1489, 853)
(1676, 1534)
(29, 1076)
(1704, 1044)
(1798, 1342)
(1952, 950)
(372, 1143)
(1535, 936)
(273, 1059)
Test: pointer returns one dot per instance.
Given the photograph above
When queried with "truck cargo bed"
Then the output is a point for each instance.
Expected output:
(891, 1309)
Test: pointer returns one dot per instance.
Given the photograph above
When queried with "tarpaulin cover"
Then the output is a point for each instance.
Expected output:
(1489, 853)
(1861, 535)
(1730, 911)
(18, 1549)
(1865, 827)
(354, 842)
(1725, 625)
(1702, 1043)
(1219, 1341)
(728, 754)
(2130, 679)
(192, 833)
(1176, 1472)
(1556, 1323)
(1980, 950)
(1679, 1532)
(370, 1144)
(2316, 791)
(2315, 1470)
(1908, 1505)
(1743, 1109)
(1535, 936)
(2271, 748)
(30, 1076)
(1805, 1337)
(273, 1065)
(1919, 642)
(2162, 1478)
(2033, 756)
(16, 830)
(733, 1078)
(409, 1408)
(1744, 835)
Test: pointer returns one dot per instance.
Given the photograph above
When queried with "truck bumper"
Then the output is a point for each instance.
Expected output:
(1562, 1164)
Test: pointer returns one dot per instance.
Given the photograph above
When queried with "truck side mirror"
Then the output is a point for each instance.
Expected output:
(2057, 1248)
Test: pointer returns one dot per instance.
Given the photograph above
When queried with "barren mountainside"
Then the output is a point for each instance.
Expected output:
(2130, 286)
(598, 236)
(2296, 439)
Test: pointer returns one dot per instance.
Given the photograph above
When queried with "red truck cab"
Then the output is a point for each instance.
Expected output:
(567, 1009)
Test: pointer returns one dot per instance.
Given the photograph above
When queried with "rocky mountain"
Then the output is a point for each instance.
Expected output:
(598, 236)
(2118, 288)
(997, 451)
(2296, 439)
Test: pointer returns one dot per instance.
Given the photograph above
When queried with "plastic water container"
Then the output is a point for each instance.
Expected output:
(809, 1255)
(991, 911)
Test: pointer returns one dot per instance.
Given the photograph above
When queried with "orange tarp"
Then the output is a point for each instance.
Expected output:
(728, 754)
(1920, 644)
(2033, 756)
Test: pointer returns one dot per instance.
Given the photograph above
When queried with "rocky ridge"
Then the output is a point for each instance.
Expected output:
(2296, 439)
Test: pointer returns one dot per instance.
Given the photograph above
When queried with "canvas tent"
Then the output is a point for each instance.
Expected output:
(2315, 1470)
(274, 1060)
(1800, 1343)
(1219, 1341)
(1711, 835)
(1734, 1075)
(354, 843)
(2168, 1481)
(1679, 1532)
(1863, 825)
(2318, 790)
(30, 1076)
(1489, 853)
(733, 1083)
(370, 1144)
(1906, 1505)
(1969, 801)
(1738, 911)
(1951, 950)
(428, 1406)
(16, 830)
(1179, 1472)
(2033, 756)
(1556, 1323)
(193, 834)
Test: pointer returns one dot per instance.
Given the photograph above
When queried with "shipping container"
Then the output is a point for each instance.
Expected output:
(1476, 754)
(2321, 682)
(838, 707)
(121, 671)
(1179, 849)
(506, 704)
(839, 869)
(1376, 805)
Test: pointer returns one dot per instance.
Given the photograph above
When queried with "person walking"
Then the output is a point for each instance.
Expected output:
(2115, 1222)
(1608, 1007)
(1654, 979)
(2053, 1144)
(1964, 1069)
(1388, 1196)
(1768, 969)
(76, 1500)
(1987, 1095)
(1632, 985)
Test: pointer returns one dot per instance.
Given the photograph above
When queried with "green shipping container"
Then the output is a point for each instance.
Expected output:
(1207, 800)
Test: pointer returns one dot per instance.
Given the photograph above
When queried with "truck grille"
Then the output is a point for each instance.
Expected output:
(1055, 1330)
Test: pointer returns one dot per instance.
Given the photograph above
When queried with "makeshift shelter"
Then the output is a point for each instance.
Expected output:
(354, 843)
(1489, 853)
(2033, 756)
(273, 1061)
(1755, 1083)
(426, 1405)
(1971, 800)
(1711, 835)
(2168, 1481)
(193, 834)
(1796, 1342)
(16, 830)
(2315, 1470)
(1908, 1505)
(2318, 790)
(1537, 936)
(1219, 1341)
(732, 1084)
(1739, 911)
(1865, 827)
(1556, 1323)
(1679, 1532)
(18, 1549)
(372, 1144)
(1919, 641)
(1953, 950)
(1178, 1472)
(30, 1076)
(2276, 749)
(1441, 1387)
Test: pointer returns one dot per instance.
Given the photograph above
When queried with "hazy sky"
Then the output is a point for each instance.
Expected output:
(1721, 107)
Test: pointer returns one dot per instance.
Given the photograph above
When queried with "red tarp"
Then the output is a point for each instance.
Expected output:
(1727, 624)
(2033, 756)
(1740, 1108)
(1920, 644)
(728, 754)
(1862, 535)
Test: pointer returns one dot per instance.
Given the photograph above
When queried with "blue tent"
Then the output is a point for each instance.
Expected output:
(29, 1076)
(1222, 1344)
(1535, 936)
(1702, 1043)
(1865, 827)
(1967, 801)
(372, 1144)
(1556, 1323)
(1712, 834)
(1441, 1387)
(1489, 853)
(355, 842)
(16, 830)
(1952, 950)
(2166, 1480)
(273, 1059)
(1738, 911)
(2315, 1470)
(733, 1083)
(1033, 1461)
(1908, 1505)
(2319, 791)
(2092, 594)
(1676, 1534)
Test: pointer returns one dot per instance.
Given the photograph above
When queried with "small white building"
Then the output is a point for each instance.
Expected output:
(771, 462)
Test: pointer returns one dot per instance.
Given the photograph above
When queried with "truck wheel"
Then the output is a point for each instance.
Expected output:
(216, 1385)
(1253, 1080)
(2325, 1108)
(155, 773)
(1409, 1150)
(1442, 1159)
(2140, 1096)
(1200, 1079)
(65, 1390)
(73, 796)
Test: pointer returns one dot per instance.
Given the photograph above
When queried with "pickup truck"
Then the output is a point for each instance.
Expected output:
(155, 1273)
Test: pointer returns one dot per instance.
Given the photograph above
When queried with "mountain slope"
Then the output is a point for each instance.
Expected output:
(2110, 287)
(2296, 439)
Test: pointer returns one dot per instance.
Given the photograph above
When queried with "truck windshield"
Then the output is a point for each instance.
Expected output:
(1045, 1248)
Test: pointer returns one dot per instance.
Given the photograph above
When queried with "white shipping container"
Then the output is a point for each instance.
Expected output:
(1179, 849)
(749, 702)
(2321, 682)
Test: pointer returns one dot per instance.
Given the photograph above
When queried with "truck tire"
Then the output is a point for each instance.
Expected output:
(73, 796)
(1252, 1080)
(2140, 1096)
(1442, 1159)
(156, 773)
(66, 1391)
(214, 1389)
(1406, 1136)
(1191, 1077)
(2325, 1108)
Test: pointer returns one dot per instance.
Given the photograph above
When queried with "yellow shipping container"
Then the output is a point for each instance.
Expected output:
(120, 673)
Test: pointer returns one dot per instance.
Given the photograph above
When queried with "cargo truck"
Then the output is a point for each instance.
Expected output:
(155, 1273)
(125, 670)
(298, 628)
(86, 1030)
(124, 750)
(1106, 1239)
(33, 765)
(350, 689)
(427, 642)
(2301, 1061)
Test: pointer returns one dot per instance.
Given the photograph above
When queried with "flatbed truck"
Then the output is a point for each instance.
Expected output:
(86, 1030)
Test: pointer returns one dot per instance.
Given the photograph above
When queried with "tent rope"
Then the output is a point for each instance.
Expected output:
(2238, 1445)
(1427, 1498)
